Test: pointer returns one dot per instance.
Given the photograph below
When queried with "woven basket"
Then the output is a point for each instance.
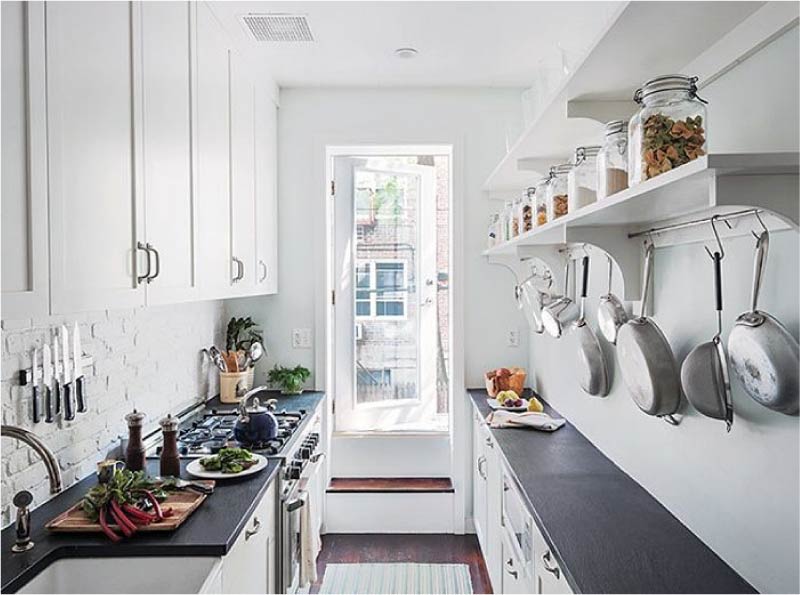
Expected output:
(515, 381)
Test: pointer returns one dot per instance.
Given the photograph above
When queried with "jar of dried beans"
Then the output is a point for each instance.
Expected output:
(557, 193)
(526, 211)
(612, 161)
(669, 129)
(540, 196)
(582, 179)
(516, 207)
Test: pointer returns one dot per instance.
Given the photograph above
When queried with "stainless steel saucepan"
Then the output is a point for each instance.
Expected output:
(593, 375)
(562, 311)
(531, 300)
(764, 355)
(646, 360)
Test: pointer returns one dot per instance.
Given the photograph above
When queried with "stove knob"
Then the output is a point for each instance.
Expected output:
(295, 469)
(305, 452)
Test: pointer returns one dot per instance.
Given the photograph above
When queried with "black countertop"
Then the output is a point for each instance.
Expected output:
(210, 531)
(607, 532)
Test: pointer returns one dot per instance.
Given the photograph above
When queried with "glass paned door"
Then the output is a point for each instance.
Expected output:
(386, 322)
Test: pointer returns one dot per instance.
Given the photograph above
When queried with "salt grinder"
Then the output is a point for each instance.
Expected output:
(170, 461)
(134, 454)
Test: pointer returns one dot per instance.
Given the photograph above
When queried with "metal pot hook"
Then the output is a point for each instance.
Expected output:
(714, 219)
(761, 221)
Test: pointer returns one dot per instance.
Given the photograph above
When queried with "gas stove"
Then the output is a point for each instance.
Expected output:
(208, 431)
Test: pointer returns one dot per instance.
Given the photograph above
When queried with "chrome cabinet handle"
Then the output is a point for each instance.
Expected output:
(315, 458)
(481, 461)
(489, 442)
(142, 278)
(263, 266)
(295, 504)
(151, 248)
(510, 566)
(239, 270)
(256, 528)
(546, 558)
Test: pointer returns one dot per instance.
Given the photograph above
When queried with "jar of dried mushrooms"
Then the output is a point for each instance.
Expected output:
(669, 129)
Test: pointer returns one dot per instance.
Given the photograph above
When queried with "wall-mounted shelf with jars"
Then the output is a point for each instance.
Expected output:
(711, 184)
(600, 88)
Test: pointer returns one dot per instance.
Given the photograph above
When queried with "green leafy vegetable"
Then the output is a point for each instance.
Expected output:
(229, 460)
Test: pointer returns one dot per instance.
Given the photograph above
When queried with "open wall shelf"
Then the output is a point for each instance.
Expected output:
(600, 88)
(708, 185)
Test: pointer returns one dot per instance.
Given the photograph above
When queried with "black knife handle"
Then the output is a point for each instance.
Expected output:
(48, 405)
(57, 397)
(80, 394)
(69, 414)
(718, 280)
(36, 412)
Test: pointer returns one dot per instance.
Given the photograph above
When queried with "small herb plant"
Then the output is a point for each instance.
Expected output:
(242, 333)
(289, 379)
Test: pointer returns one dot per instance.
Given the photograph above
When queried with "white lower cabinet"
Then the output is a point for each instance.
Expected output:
(479, 484)
(516, 575)
(548, 575)
(487, 503)
(250, 565)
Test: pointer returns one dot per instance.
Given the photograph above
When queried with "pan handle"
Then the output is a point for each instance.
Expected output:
(648, 271)
(762, 246)
(585, 281)
(718, 289)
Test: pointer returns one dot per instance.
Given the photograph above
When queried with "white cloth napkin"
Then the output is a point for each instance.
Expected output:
(528, 419)
(310, 543)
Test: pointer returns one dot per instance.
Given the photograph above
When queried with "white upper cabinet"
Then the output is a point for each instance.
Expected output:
(165, 134)
(212, 175)
(95, 214)
(24, 162)
(266, 127)
(243, 193)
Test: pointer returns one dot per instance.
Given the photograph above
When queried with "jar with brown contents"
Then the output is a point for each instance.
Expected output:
(540, 197)
(669, 130)
(557, 194)
(612, 161)
(526, 212)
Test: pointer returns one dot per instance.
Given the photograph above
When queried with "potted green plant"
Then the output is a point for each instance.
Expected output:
(290, 380)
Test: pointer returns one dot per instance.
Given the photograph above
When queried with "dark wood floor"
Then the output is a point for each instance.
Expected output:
(434, 549)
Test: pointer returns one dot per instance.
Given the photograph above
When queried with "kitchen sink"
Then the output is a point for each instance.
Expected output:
(128, 575)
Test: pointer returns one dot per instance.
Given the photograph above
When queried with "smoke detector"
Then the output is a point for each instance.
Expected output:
(277, 27)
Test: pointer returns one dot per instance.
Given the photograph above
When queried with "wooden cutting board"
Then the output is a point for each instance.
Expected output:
(182, 502)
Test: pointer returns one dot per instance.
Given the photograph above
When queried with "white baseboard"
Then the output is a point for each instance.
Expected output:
(387, 512)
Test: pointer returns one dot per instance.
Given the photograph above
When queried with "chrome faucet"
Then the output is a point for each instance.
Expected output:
(24, 498)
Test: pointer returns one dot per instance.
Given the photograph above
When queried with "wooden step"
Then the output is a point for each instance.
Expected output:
(394, 485)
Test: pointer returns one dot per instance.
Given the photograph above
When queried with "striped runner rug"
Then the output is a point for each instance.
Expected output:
(394, 578)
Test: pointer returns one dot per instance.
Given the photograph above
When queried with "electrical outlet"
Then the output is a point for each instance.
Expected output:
(512, 339)
(301, 338)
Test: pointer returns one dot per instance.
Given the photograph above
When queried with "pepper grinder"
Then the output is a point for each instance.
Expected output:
(170, 461)
(134, 455)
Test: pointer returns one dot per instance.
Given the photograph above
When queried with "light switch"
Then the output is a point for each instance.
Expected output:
(512, 339)
(301, 338)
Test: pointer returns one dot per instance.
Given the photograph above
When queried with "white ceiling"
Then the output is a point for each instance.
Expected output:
(460, 43)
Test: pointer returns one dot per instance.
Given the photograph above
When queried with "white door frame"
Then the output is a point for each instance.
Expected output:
(327, 148)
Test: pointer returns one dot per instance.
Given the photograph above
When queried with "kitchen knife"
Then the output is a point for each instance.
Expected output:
(66, 394)
(77, 355)
(47, 365)
(36, 377)
(56, 377)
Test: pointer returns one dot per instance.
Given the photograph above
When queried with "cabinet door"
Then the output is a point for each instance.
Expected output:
(479, 486)
(212, 174)
(244, 569)
(166, 136)
(516, 578)
(243, 203)
(547, 573)
(24, 162)
(95, 210)
(494, 494)
(266, 165)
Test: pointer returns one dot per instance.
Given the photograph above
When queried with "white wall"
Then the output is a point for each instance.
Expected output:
(738, 492)
(148, 358)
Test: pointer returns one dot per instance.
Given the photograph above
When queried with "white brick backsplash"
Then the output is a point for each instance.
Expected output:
(147, 357)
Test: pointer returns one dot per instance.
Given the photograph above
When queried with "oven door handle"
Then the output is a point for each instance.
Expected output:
(295, 504)
(317, 457)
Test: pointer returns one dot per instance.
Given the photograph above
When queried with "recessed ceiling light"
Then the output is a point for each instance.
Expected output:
(405, 53)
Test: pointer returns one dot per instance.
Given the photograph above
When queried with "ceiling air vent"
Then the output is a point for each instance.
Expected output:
(278, 27)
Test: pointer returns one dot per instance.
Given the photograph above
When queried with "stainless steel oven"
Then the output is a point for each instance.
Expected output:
(517, 521)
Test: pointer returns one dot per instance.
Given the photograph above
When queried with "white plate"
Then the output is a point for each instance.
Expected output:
(495, 405)
(196, 469)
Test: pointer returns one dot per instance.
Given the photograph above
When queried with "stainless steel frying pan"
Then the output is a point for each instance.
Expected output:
(704, 373)
(593, 375)
(764, 355)
(646, 361)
